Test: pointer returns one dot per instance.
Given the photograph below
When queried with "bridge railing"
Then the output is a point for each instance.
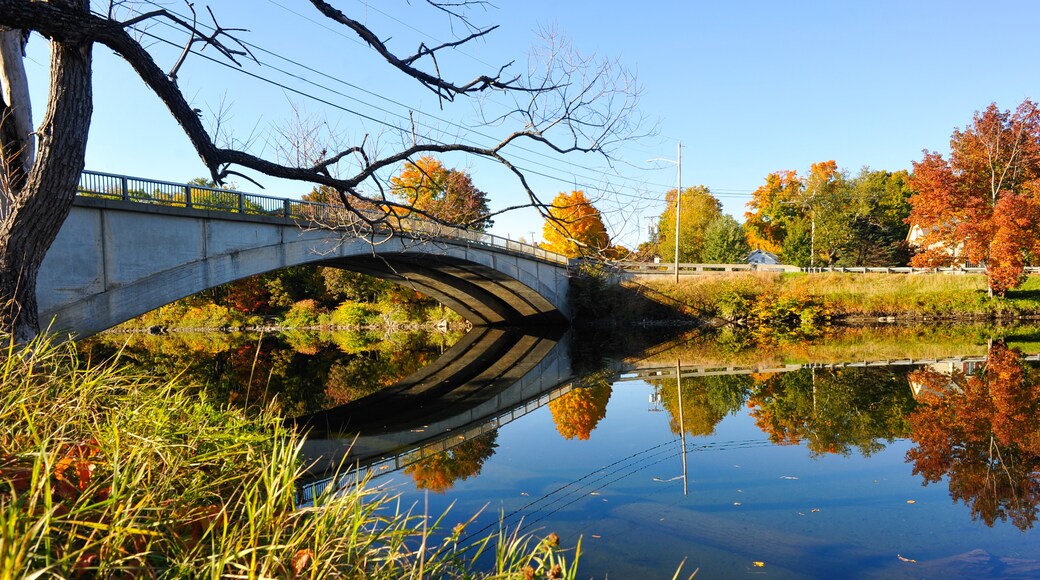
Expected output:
(201, 197)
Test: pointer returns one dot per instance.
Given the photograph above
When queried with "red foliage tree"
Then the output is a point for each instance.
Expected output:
(982, 204)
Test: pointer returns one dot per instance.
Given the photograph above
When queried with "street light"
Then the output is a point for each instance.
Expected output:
(678, 197)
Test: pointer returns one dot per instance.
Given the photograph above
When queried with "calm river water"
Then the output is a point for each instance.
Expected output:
(871, 454)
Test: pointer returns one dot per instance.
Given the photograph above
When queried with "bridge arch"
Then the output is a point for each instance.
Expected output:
(115, 259)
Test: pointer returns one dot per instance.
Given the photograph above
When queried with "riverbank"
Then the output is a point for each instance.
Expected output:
(844, 296)
(110, 472)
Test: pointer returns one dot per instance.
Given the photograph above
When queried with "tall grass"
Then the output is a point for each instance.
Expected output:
(850, 295)
(109, 473)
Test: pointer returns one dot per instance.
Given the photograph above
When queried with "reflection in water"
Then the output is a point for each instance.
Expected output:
(488, 378)
(833, 411)
(982, 432)
(577, 413)
(833, 501)
(439, 472)
(293, 373)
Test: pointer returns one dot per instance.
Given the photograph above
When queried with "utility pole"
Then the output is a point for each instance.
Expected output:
(678, 205)
(678, 199)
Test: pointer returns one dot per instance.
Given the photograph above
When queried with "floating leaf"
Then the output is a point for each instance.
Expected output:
(908, 560)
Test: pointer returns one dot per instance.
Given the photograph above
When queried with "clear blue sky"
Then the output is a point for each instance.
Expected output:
(748, 87)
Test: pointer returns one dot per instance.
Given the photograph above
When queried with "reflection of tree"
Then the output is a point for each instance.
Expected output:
(578, 412)
(293, 376)
(833, 411)
(985, 438)
(705, 401)
(438, 473)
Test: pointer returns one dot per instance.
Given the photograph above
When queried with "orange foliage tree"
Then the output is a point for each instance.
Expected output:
(444, 194)
(771, 210)
(982, 204)
(982, 433)
(574, 226)
(438, 473)
(578, 412)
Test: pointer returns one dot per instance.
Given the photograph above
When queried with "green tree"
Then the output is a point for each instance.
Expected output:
(834, 411)
(699, 209)
(879, 206)
(725, 242)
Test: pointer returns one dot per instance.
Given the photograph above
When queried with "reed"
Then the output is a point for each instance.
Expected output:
(108, 472)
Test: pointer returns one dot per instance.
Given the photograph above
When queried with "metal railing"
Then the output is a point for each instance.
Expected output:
(200, 197)
(654, 268)
(663, 269)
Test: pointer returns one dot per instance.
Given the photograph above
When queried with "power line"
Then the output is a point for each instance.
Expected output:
(614, 190)
(400, 116)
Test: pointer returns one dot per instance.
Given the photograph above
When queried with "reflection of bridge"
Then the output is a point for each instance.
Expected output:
(486, 380)
(131, 245)
(649, 372)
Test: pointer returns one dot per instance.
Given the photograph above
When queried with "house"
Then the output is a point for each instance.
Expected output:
(913, 238)
(763, 257)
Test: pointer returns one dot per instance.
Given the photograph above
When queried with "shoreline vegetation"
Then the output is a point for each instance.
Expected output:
(108, 471)
(807, 300)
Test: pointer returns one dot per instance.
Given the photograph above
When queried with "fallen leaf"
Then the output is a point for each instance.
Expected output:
(301, 560)
(759, 564)
(902, 559)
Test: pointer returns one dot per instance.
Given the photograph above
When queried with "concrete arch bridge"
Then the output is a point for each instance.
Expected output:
(131, 245)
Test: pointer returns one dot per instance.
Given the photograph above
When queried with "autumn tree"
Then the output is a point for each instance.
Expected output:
(446, 194)
(725, 242)
(578, 412)
(439, 472)
(574, 227)
(982, 435)
(829, 218)
(981, 204)
(772, 209)
(561, 101)
(698, 210)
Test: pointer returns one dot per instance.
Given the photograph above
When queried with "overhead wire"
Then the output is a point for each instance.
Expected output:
(614, 189)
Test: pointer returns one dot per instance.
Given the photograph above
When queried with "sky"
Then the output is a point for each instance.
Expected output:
(747, 87)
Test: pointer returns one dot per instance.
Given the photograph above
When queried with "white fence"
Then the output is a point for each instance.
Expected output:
(653, 269)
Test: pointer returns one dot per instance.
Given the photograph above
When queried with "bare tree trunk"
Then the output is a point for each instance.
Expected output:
(36, 211)
(16, 130)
